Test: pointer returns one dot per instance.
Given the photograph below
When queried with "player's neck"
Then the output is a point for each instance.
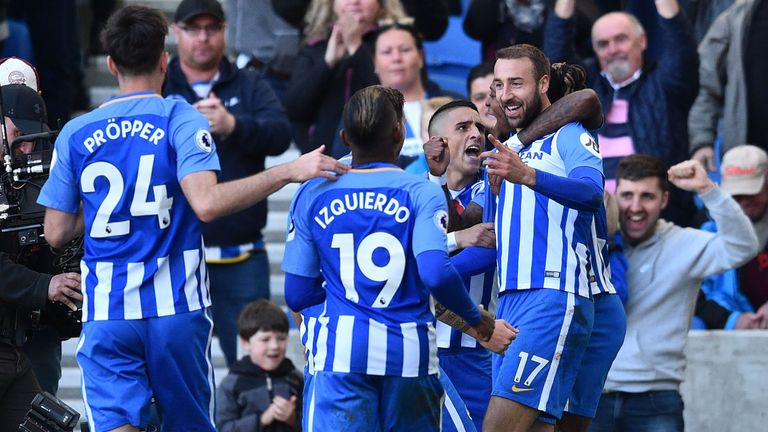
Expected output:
(457, 180)
(136, 84)
(364, 159)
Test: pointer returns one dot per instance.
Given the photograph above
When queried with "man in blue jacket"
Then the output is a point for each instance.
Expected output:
(248, 123)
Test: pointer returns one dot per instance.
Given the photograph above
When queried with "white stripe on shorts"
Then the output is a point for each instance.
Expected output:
(569, 310)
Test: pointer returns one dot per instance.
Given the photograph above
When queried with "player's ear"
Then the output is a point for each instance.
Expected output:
(344, 138)
(111, 66)
(164, 62)
(398, 132)
(544, 84)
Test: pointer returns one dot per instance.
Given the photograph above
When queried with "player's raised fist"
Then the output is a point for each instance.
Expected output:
(437, 154)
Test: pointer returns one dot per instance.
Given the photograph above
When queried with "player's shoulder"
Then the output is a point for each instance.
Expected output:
(180, 108)
(574, 135)
(571, 129)
(416, 182)
(306, 192)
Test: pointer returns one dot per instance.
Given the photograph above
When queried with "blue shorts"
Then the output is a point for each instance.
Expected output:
(127, 362)
(359, 402)
(469, 369)
(456, 417)
(539, 368)
(604, 343)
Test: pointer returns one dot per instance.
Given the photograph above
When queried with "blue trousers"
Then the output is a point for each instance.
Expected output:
(654, 411)
(233, 286)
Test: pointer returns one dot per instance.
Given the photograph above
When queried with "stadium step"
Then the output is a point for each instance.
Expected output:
(69, 384)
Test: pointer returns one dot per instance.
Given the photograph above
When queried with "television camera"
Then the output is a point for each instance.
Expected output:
(21, 223)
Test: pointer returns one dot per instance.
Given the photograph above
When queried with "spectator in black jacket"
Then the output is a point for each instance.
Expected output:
(248, 124)
(262, 392)
(22, 290)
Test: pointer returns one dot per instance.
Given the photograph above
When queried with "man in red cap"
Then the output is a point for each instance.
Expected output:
(738, 299)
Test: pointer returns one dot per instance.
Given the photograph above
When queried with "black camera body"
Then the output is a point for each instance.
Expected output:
(48, 413)
(22, 179)
(21, 227)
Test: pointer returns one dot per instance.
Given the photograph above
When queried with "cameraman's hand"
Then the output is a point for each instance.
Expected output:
(64, 288)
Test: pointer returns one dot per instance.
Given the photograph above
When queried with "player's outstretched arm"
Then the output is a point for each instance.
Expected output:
(444, 282)
(503, 334)
(210, 199)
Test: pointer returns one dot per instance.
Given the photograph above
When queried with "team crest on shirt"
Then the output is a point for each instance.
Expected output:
(204, 140)
(590, 143)
(441, 220)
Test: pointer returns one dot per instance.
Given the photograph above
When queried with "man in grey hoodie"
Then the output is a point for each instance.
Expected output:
(666, 266)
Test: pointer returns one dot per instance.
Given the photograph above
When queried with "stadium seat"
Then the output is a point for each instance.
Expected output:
(449, 59)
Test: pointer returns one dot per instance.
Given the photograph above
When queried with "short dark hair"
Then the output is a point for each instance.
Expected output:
(261, 315)
(134, 38)
(479, 71)
(641, 166)
(535, 55)
(564, 79)
(458, 103)
(371, 113)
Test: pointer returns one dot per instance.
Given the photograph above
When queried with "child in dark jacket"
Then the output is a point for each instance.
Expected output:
(263, 389)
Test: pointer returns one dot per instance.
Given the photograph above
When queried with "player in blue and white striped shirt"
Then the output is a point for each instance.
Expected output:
(549, 256)
(378, 237)
(134, 176)
(456, 141)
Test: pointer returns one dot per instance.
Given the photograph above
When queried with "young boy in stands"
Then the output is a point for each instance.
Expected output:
(261, 392)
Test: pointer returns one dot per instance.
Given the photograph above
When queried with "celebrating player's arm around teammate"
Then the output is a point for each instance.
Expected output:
(137, 175)
(377, 236)
(547, 252)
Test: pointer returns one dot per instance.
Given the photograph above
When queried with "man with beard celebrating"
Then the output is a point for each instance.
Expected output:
(549, 258)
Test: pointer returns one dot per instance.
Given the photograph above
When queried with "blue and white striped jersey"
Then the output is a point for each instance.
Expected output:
(362, 233)
(480, 285)
(143, 243)
(541, 243)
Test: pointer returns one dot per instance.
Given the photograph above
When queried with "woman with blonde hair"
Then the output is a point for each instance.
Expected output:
(336, 61)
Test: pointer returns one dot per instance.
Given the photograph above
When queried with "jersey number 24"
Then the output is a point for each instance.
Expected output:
(102, 227)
